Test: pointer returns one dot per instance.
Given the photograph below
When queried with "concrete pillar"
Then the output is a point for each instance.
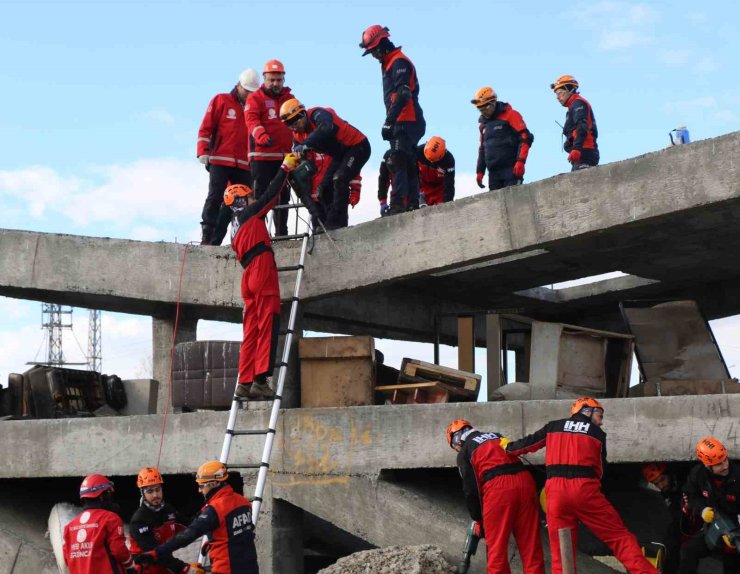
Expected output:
(493, 354)
(162, 340)
(292, 387)
(279, 536)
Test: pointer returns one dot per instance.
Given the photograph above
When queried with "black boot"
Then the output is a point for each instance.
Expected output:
(207, 232)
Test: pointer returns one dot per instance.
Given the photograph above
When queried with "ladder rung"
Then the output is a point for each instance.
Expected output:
(289, 237)
(290, 268)
(244, 466)
(284, 332)
(289, 206)
(249, 432)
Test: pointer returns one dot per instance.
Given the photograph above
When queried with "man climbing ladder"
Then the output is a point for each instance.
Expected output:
(260, 287)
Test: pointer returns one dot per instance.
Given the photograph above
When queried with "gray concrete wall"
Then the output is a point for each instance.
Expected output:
(356, 440)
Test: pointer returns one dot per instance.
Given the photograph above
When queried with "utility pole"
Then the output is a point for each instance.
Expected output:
(94, 342)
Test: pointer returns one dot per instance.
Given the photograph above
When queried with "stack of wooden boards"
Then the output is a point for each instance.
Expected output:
(420, 382)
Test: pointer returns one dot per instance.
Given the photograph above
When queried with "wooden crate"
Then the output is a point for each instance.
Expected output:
(337, 371)
(415, 371)
(422, 393)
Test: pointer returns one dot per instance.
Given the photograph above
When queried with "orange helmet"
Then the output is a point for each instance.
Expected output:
(652, 471)
(148, 476)
(211, 471)
(290, 109)
(236, 190)
(568, 82)
(94, 485)
(710, 451)
(483, 97)
(585, 403)
(372, 37)
(435, 149)
(273, 67)
(456, 426)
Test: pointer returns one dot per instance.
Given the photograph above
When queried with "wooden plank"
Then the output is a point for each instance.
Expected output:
(430, 385)
(415, 369)
(336, 347)
(466, 344)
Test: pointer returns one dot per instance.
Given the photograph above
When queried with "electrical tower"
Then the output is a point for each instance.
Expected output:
(53, 320)
(94, 342)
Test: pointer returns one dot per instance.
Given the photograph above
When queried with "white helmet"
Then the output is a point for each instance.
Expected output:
(249, 80)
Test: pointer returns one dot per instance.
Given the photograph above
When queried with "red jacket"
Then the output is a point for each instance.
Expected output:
(327, 133)
(576, 447)
(222, 134)
(263, 113)
(94, 543)
(148, 528)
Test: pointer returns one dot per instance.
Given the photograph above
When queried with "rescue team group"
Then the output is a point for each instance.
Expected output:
(499, 492)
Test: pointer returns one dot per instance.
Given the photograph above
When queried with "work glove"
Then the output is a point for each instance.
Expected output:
(519, 169)
(479, 179)
(146, 558)
(290, 161)
(262, 137)
(422, 199)
(478, 529)
(383, 208)
(574, 156)
(204, 159)
(354, 197)
(387, 131)
(707, 515)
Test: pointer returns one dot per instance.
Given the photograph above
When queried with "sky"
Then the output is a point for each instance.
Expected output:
(101, 103)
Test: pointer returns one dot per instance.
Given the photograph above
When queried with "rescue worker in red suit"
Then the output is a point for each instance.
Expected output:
(574, 462)
(436, 175)
(323, 131)
(269, 138)
(404, 123)
(94, 542)
(712, 489)
(580, 124)
(154, 522)
(504, 141)
(683, 524)
(222, 149)
(251, 243)
(226, 519)
(500, 494)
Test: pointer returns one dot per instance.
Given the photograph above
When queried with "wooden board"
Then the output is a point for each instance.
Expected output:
(415, 371)
(426, 392)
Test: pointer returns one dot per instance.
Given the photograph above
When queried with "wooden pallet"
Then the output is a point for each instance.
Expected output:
(423, 393)
(415, 371)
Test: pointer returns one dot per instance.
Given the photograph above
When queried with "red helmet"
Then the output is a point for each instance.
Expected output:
(456, 426)
(435, 149)
(372, 37)
(585, 403)
(273, 67)
(710, 451)
(652, 471)
(95, 485)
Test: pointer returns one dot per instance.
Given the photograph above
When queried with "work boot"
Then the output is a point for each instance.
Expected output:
(207, 232)
(242, 390)
(395, 210)
(260, 391)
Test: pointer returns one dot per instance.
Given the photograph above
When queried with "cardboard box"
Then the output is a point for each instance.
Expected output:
(337, 371)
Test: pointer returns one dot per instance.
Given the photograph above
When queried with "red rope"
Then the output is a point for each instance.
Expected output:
(172, 353)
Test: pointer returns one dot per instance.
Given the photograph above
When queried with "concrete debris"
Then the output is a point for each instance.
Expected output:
(424, 559)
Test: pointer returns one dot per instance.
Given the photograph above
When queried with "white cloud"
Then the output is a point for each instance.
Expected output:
(158, 116)
(617, 26)
(706, 65)
(38, 187)
(622, 39)
(675, 57)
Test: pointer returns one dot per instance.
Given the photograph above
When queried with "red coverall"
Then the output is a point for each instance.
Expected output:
(499, 482)
(575, 459)
(94, 543)
(260, 288)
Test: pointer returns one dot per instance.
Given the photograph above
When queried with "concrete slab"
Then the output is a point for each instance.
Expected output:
(356, 440)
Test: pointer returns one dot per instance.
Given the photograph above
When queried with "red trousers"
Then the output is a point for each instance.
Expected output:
(261, 318)
(574, 500)
(510, 507)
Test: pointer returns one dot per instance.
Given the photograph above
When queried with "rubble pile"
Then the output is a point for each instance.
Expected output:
(424, 559)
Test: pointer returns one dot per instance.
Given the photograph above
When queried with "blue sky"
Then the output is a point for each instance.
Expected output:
(102, 100)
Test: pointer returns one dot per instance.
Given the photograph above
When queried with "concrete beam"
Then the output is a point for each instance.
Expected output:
(355, 440)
